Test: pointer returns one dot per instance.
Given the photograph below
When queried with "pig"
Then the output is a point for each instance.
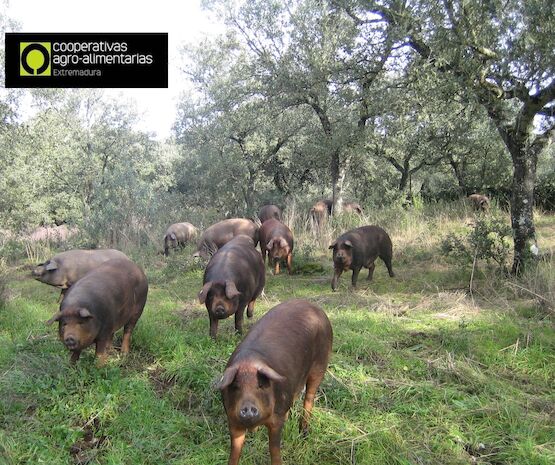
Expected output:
(319, 213)
(66, 268)
(59, 233)
(287, 350)
(479, 202)
(222, 232)
(233, 280)
(359, 248)
(269, 211)
(276, 241)
(105, 299)
(177, 235)
(352, 207)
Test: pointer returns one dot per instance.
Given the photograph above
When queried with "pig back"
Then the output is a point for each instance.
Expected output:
(274, 228)
(183, 231)
(268, 212)
(240, 262)
(112, 292)
(222, 232)
(66, 268)
(293, 338)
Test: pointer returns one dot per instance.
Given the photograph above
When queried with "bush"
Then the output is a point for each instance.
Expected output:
(488, 240)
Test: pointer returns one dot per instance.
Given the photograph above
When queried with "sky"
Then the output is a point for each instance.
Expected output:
(183, 20)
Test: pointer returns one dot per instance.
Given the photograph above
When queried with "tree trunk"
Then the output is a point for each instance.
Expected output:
(522, 203)
(338, 173)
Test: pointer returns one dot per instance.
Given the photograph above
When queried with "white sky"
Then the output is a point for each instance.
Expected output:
(183, 20)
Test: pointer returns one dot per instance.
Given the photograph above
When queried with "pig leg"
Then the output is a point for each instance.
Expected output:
(101, 345)
(336, 273)
(127, 330)
(274, 437)
(237, 437)
(239, 318)
(75, 356)
(213, 327)
(276, 266)
(250, 308)
(371, 268)
(289, 262)
(312, 383)
(387, 260)
(354, 278)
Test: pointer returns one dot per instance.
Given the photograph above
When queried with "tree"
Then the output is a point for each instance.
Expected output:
(501, 53)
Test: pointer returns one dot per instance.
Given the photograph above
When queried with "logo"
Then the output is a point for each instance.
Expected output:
(35, 58)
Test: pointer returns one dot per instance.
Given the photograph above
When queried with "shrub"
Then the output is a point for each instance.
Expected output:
(488, 240)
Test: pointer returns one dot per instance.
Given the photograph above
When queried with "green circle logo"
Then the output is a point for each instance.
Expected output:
(35, 59)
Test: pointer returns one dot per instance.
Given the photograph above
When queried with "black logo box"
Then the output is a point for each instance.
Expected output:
(135, 75)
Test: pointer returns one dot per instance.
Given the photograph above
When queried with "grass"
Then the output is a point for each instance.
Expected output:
(421, 373)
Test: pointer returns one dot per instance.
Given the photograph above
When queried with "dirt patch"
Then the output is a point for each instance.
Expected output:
(161, 383)
(86, 450)
(415, 340)
(190, 312)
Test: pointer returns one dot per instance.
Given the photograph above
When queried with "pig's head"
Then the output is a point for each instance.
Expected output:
(221, 298)
(78, 328)
(51, 273)
(170, 242)
(342, 254)
(249, 392)
(278, 248)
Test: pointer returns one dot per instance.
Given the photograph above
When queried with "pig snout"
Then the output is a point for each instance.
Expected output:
(71, 342)
(219, 312)
(249, 413)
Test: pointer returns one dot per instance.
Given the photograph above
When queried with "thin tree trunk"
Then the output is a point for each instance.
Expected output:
(522, 203)
(338, 173)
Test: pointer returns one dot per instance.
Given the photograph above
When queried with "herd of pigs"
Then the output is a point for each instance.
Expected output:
(285, 351)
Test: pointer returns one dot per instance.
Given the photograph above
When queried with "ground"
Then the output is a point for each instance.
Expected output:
(422, 371)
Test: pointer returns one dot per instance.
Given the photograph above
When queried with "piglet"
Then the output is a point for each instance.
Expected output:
(286, 350)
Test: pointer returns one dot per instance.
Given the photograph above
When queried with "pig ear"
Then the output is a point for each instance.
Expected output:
(270, 244)
(55, 317)
(204, 292)
(231, 290)
(172, 236)
(51, 265)
(270, 373)
(332, 245)
(282, 242)
(84, 313)
(348, 243)
(227, 377)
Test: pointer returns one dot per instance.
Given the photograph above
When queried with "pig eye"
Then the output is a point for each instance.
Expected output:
(263, 381)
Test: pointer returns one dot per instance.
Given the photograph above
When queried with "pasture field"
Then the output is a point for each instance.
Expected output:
(422, 371)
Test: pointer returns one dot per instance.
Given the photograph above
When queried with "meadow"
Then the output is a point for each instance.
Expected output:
(422, 370)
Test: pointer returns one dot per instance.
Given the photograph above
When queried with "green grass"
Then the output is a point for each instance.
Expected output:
(421, 373)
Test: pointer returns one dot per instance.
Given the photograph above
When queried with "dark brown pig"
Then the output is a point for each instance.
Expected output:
(66, 268)
(222, 232)
(479, 202)
(287, 350)
(359, 248)
(177, 235)
(233, 280)
(109, 297)
(269, 211)
(276, 241)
